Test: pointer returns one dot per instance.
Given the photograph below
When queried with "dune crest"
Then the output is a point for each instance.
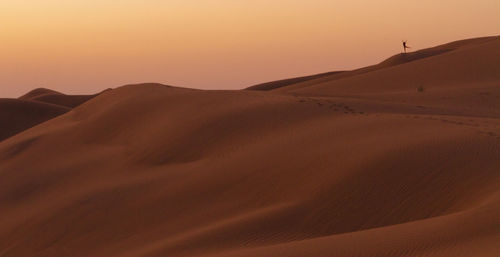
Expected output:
(37, 92)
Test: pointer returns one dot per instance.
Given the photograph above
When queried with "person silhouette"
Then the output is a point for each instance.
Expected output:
(405, 46)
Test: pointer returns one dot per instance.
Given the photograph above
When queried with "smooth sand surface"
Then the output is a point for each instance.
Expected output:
(363, 165)
(18, 115)
(288, 82)
(33, 108)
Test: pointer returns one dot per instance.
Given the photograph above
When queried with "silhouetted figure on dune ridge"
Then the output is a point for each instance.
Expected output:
(405, 46)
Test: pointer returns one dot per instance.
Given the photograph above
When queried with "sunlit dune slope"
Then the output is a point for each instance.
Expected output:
(414, 65)
(466, 78)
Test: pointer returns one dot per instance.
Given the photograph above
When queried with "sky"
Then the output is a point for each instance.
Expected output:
(85, 46)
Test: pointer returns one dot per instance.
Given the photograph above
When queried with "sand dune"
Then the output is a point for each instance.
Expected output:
(18, 115)
(70, 101)
(392, 61)
(364, 165)
(37, 93)
(415, 67)
(35, 107)
(54, 97)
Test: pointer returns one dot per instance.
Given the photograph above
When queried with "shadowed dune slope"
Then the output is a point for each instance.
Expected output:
(35, 107)
(320, 170)
(37, 93)
(69, 101)
(53, 97)
(18, 115)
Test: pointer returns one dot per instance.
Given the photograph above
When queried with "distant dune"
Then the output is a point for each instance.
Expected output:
(38, 92)
(397, 159)
(18, 115)
(53, 97)
(35, 107)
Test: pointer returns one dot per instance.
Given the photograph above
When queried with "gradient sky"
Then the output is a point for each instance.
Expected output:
(84, 46)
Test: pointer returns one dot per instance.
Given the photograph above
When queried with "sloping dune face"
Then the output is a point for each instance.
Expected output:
(33, 108)
(287, 82)
(152, 170)
(392, 61)
(18, 115)
(464, 75)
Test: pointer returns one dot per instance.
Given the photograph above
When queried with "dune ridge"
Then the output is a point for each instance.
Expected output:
(352, 166)
(53, 97)
(390, 62)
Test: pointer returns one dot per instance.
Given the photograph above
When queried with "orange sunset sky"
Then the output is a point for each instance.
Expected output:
(84, 46)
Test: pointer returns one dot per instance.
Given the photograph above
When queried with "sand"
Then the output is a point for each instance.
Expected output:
(19, 115)
(33, 108)
(367, 164)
